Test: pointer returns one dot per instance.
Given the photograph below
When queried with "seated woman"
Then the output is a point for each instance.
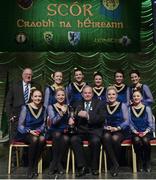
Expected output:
(141, 126)
(49, 98)
(30, 129)
(58, 116)
(147, 97)
(98, 88)
(116, 121)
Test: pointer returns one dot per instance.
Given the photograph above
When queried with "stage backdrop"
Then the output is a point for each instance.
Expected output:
(73, 25)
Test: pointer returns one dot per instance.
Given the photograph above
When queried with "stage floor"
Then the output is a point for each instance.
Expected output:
(20, 173)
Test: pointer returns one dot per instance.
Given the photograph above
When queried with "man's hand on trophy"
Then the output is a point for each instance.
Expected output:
(71, 121)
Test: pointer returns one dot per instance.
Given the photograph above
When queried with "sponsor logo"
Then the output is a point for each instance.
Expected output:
(111, 4)
(21, 38)
(125, 41)
(25, 4)
(73, 37)
(48, 37)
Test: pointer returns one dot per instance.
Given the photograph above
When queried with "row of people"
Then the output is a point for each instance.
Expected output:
(19, 92)
(92, 120)
(74, 89)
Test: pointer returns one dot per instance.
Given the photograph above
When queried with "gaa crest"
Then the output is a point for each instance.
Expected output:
(48, 37)
(111, 4)
(73, 37)
(125, 41)
(21, 38)
(25, 4)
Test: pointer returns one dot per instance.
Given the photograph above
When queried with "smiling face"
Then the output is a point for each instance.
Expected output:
(135, 79)
(60, 96)
(78, 76)
(36, 97)
(137, 97)
(87, 93)
(119, 78)
(27, 75)
(111, 95)
(58, 77)
(98, 80)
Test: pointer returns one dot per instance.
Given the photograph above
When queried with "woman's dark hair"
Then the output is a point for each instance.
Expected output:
(77, 69)
(97, 73)
(119, 71)
(33, 90)
(134, 71)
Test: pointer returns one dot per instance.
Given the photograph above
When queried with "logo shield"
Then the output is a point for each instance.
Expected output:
(73, 37)
(48, 37)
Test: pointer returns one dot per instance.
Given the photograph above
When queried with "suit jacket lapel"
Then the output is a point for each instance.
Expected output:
(20, 90)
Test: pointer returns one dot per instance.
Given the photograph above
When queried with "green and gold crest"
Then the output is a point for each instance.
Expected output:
(111, 4)
(48, 37)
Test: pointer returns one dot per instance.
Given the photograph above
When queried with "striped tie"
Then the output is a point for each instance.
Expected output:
(87, 107)
(26, 93)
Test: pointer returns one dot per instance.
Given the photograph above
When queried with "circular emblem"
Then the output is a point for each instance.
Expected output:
(21, 38)
(24, 4)
(111, 4)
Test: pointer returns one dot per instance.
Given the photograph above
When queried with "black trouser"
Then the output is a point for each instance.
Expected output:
(36, 146)
(60, 145)
(142, 147)
(112, 144)
(94, 145)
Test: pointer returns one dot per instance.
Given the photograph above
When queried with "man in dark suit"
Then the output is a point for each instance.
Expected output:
(89, 120)
(18, 95)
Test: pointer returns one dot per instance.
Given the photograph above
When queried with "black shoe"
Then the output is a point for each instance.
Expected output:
(140, 167)
(95, 172)
(60, 169)
(140, 170)
(114, 171)
(30, 174)
(148, 167)
(52, 168)
(35, 172)
(52, 172)
(81, 172)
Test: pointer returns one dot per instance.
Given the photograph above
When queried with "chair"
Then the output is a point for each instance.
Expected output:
(71, 154)
(17, 145)
(125, 143)
(152, 141)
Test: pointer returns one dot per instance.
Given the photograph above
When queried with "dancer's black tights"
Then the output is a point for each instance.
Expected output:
(112, 145)
(60, 145)
(36, 146)
(142, 147)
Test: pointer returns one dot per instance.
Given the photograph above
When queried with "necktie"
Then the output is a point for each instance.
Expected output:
(87, 106)
(26, 93)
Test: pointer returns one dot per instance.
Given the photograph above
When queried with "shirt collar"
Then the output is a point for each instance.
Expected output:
(24, 83)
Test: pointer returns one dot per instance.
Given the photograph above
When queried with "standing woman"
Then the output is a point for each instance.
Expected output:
(74, 89)
(147, 97)
(49, 98)
(141, 126)
(116, 121)
(58, 114)
(30, 129)
(98, 88)
(121, 87)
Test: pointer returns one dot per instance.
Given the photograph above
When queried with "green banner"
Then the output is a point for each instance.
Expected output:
(73, 25)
